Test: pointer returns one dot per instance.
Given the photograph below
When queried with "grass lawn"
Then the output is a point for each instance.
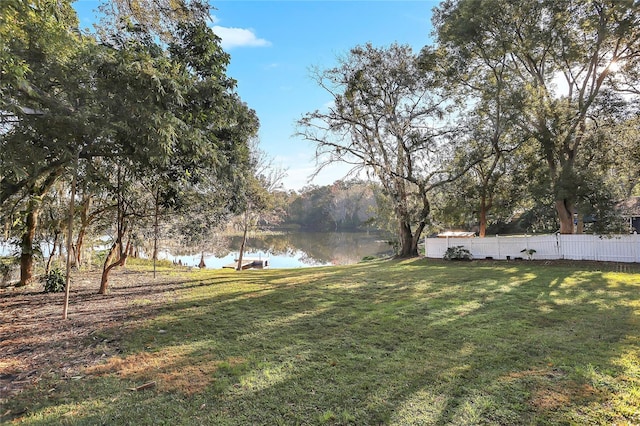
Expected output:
(416, 342)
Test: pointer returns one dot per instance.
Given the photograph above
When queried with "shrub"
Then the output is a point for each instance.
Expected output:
(54, 281)
(457, 253)
(529, 253)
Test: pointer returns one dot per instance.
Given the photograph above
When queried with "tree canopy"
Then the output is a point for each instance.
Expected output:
(565, 60)
(142, 116)
(387, 119)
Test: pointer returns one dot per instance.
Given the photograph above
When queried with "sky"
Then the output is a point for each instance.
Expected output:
(274, 44)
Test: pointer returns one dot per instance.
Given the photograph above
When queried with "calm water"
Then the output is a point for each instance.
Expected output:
(293, 250)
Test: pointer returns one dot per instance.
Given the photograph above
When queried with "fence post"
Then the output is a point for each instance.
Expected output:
(498, 245)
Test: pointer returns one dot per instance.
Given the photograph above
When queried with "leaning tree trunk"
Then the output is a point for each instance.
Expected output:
(112, 261)
(242, 244)
(565, 216)
(26, 245)
(118, 253)
(56, 237)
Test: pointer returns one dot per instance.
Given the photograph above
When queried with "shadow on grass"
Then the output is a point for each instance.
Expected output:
(399, 342)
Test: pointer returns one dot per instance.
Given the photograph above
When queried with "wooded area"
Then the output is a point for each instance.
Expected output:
(142, 127)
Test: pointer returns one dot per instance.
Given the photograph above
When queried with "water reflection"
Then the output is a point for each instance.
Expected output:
(294, 250)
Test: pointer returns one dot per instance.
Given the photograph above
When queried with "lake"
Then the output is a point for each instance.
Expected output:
(291, 250)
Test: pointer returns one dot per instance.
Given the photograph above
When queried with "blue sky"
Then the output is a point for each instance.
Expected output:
(273, 44)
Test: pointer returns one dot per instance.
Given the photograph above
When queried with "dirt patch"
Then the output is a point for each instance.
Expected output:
(553, 390)
(35, 341)
(170, 369)
(559, 395)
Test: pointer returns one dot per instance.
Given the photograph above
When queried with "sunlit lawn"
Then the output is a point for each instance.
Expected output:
(389, 342)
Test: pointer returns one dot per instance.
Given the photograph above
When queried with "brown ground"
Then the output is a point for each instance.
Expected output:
(36, 341)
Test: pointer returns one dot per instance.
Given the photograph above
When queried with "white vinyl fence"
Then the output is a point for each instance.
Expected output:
(608, 248)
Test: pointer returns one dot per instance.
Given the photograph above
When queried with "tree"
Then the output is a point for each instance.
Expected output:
(191, 131)
(489, 115)
(39, 132)
(128, 107)
(385, 119)
(160, 17)
(563, 55)
(260, 203)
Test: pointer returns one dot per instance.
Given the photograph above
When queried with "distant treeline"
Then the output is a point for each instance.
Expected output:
(342, 206)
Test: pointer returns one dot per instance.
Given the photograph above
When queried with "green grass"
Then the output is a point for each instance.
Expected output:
(413, 342)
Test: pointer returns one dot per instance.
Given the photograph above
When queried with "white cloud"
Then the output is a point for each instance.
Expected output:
(238, 37)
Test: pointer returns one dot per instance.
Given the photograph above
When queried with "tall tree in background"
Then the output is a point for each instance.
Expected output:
(385, 120)
(260, 202)
(563, 54)
(488, 103)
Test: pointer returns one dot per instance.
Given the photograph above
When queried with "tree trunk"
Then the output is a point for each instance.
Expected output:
(482, 231)
(580, 224)
(156, 214)
(26, 245)
(106, 268)
(414, 244)
(47, 269)
(78, 247)
(108, 265)
(84, 223)
(408, 239)
(565, 216)
(407, 247)
(122, 230)
(244, 240)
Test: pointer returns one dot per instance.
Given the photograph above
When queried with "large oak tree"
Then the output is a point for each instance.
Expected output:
(564, 55)
(386, 119)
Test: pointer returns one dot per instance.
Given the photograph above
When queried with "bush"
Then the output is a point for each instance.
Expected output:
(529, 253)
(457, 253)
(54, 281)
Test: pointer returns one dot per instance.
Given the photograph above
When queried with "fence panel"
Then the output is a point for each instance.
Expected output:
(482, 248)
(435, 247)
(616, 248)
(577, 247)
(546, 246)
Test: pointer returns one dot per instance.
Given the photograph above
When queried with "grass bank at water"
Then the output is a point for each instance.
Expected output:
(388, 342)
